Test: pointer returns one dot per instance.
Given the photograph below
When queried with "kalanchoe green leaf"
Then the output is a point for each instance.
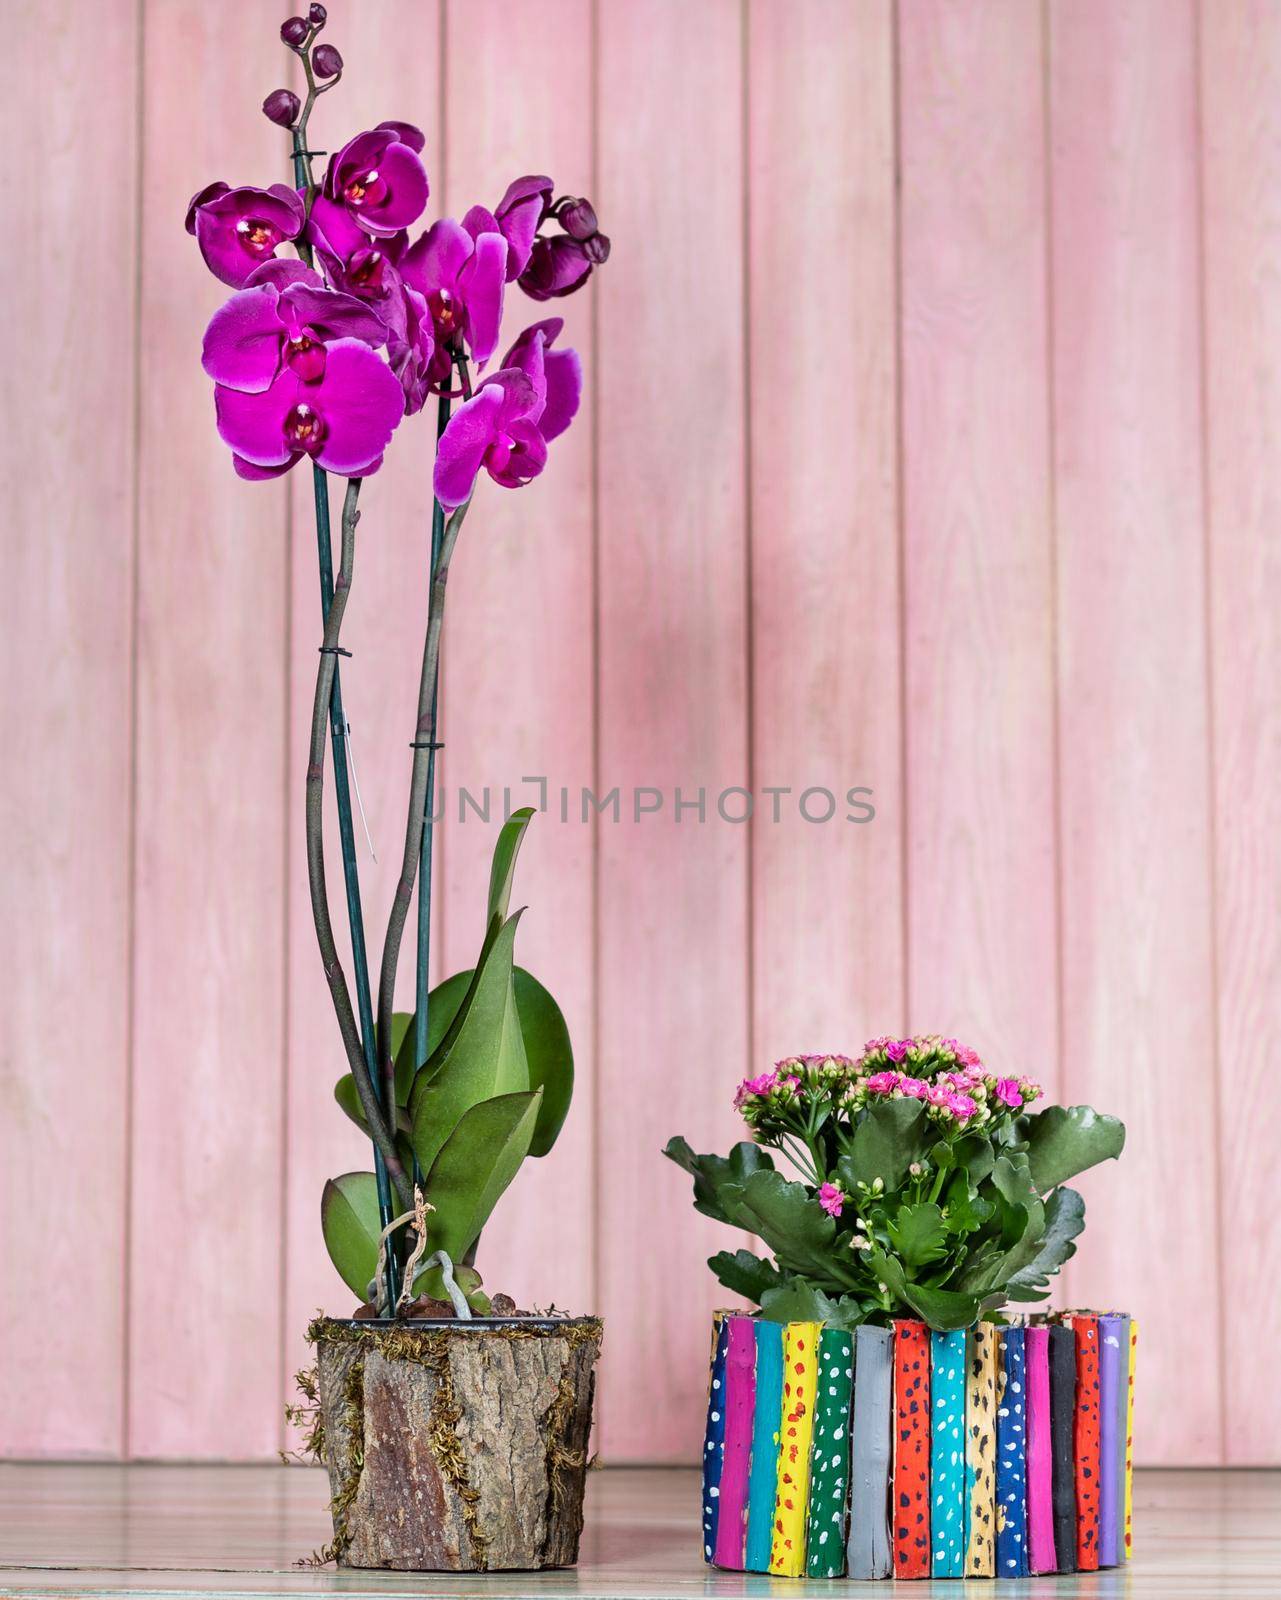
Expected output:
(711, 1173)
(918, 1234)
(891, 1135)
(1065, 1140)
(745, 1274)
(1064, 1220)
(797, 1300)
(788, 1218)
(941, 1308)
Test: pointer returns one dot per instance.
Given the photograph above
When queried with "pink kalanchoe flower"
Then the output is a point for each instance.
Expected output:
(897, 1049)
(882, 1083)
(461, 280)
(283, 317)
(238, 229)
(379, 179)
(751, 1088)
(343, 420)
(832, 1199)
(516, 217)
(966, 1056)
(939, 1095)
(914, 1088)
(1008, 1092)
(496, 430)
(961, 1106)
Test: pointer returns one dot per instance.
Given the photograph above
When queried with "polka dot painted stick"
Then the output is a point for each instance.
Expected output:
(1114, 1360)
(1040, 1472)
(980, 1452)
(800, 1386)
(1087, 1442)
(1011, 1456)
(947, 1453)
(766, 1426)
(740, 1405)
(1129, 1441)
(910, 1501)
(714, 1439)
(830, 1457)
(867, 1554)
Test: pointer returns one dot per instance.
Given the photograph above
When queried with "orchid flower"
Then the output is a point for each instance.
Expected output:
(379, 179)
(506, 426)
(461, 279)
(517, 217)
(283, 317)
(238, 229)
(342, 419)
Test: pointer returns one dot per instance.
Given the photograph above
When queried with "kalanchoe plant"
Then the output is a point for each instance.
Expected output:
(929, 1186)
(338, 328)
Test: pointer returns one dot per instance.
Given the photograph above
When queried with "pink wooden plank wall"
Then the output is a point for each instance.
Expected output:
(931, 444)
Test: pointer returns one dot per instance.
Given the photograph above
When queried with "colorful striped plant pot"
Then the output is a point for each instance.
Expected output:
(997, 1451)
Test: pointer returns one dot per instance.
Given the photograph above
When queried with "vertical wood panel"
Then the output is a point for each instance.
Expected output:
(391, 56)
(208, 992)
(827, 897)
(1241, 154)
(673, 695)
(519, 661)
(1137, 960)
(977, 538)
(67, 451)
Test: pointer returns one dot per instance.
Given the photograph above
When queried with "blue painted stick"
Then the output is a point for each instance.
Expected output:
(947, 1453)
(765, 1431)
(1011, 1457)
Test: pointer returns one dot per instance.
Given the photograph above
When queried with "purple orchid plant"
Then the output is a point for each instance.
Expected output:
(340, 325)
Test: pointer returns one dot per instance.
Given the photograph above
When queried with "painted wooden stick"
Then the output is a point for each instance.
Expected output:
(980, 1452)
(868, 1551)
(947, 1460)
(1114, 1359)
(766, 1427)
(740, 1405)
(1129, 1441)
(1086, 1442)
(1011, 1456)
(1062, 1422)
(911, 1496)
(714, 1441)
(1040, 1474)
(791, 1499)
(830, 1459)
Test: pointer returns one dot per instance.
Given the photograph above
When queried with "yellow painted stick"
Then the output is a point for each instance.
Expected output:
(800, 1388)
(1129, 1437)
(980, 1452)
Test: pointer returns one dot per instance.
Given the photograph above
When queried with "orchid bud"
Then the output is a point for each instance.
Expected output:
(294, 31)
(596, 249)
(578, 219)
(317, 16)
(325, 61)
(281, 107)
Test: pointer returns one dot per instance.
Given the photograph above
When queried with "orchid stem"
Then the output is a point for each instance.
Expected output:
(423, 738)
(366, 1075)
(422, 972)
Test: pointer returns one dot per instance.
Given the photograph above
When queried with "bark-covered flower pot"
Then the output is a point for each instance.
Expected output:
(456, 1446)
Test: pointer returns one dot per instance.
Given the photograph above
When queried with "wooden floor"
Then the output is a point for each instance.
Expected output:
(240, 1531)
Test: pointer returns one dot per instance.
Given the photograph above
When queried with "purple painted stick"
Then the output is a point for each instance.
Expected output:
(740, 1407)
(1040, 1492)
